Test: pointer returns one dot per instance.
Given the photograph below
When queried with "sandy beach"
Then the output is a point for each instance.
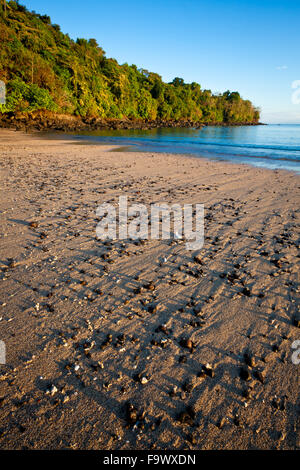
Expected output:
(129, 345)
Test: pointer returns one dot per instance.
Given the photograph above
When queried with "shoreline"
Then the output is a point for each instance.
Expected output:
(67, 384)
(47, 121)
(249, 160)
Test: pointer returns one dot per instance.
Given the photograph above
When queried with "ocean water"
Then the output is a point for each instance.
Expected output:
(272, 146)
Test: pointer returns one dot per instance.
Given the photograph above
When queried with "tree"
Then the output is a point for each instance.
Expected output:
(45, 68)
(178, 81)
(4, 8)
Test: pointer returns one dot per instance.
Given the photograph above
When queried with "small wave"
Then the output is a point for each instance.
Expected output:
(262, 146)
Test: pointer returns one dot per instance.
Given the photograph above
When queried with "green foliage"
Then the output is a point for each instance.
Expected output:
(45, 69)
(24, 97)
(178, 81)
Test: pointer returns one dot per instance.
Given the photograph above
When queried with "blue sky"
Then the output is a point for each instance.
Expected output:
(250, 46)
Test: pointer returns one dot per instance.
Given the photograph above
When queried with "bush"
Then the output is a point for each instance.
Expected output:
(23, 97)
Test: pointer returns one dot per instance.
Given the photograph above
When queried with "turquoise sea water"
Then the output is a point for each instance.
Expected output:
(271, 146)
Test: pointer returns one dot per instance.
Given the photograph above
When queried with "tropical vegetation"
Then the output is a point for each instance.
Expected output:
(43, 68)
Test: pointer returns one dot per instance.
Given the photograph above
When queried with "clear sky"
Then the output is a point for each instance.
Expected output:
(251, 46)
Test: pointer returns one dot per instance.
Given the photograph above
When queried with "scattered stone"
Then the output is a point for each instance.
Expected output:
(149, 286)
(246, 291)
(88, 345)
(98, 291)
(52, 390)
(182, 359)
(197, 309)
(232, 277)
(264, 253)
(121, 339)
(259, 376)
(106, 342)
(197, 324)
(33, 224)
(173, 392)
(245, 374)
(163, 328)
(221, 422)
(192, 439)
(187, 416)
(144, 380)
(187, 343)
(131, 414)
(152, 308)
(279, 403)
(208, 370)
(276, 263)
(281, 436)
(249, 359)
(11, 263)
(201, 374)
(189, 386)
(97, 365)
(138, 290)
(296, 320)
(236, 420)
(198, 259)
(246, 393)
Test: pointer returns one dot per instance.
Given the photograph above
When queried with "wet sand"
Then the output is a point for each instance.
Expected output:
(129, 345)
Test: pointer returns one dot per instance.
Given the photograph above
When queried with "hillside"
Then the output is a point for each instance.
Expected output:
(44, 69)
